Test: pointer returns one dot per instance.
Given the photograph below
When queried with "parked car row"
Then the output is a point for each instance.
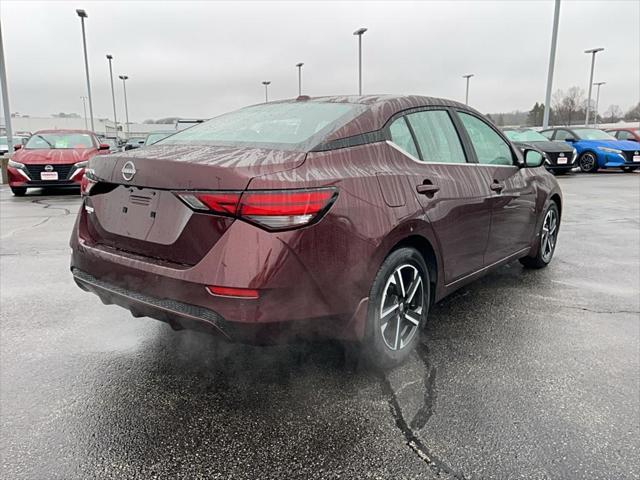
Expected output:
(590, 149)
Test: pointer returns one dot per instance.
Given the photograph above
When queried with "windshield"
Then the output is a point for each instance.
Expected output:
(282, 125)
(156, 137)
(59, 141)
(593, 134)
(525, 136)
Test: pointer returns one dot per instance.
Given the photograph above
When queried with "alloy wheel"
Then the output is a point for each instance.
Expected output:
(402, 306)
(587, 162)
(549, 234)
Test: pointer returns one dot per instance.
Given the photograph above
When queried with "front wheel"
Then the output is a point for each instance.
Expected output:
(548, 239)
(628, 169)
(398, 306)
(19, 191)
(588, 162)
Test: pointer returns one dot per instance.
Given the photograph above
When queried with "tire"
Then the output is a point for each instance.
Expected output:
(19, 191)
(390, 340)
(548, 239)
(628, 169)
(588, 162)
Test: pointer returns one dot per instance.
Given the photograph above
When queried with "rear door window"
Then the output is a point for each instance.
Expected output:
(490, 148)
(437, 137)
(563, 134)
(401, 136)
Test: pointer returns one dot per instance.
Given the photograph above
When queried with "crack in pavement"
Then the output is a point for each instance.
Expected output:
(44, 204)
(585, 309)
(420, 419)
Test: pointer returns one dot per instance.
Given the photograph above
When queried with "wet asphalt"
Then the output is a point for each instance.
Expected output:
(523, 374)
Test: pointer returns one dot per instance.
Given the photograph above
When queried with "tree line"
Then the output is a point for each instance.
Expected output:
(567, 108)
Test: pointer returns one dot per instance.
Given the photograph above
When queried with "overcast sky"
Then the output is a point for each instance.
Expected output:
(199, 59)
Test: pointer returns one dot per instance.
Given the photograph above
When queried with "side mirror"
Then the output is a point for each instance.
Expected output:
(570, 139)
(103, 146)
(533, 158)
(17, 147)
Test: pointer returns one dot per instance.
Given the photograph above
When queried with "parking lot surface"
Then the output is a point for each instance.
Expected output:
(523, 374)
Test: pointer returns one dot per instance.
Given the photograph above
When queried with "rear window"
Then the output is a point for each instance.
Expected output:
(287, 126)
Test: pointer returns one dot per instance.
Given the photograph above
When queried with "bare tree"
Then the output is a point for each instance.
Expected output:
(613, 114)
(633, 115)
(568, 105)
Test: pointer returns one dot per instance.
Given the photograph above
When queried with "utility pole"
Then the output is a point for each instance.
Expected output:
(552, 61)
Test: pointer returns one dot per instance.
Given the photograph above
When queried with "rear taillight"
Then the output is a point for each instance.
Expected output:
(87, 182)
(270, 209)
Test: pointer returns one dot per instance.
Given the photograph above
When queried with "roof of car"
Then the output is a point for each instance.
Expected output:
(60, 130)
(380, 109)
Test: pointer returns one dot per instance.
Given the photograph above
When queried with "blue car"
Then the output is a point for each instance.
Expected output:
(598, 149)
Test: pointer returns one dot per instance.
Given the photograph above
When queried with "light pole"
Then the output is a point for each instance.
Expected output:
(359, 33)
(552, 61)
(299, 65)
(113, 95)
(124, 78)
(82, 14)
(597, 84)
(84, 108)
(593, 52)
(266, 90)
(466, 97)
(5, 98)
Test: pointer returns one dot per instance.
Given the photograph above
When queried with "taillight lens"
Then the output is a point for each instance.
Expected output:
(87, 182)
(270, 209)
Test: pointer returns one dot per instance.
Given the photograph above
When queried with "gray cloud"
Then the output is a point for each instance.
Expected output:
(200, 59)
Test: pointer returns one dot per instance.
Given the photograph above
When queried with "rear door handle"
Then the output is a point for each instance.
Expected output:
(427, 189)
(497, 186)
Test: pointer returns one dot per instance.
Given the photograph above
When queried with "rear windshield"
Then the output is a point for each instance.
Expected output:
(287, 126)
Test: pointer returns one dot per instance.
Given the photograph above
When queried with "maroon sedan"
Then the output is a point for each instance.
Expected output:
(344, 217)
(629, 133)
(52, 158)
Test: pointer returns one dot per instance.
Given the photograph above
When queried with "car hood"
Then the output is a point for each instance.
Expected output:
(619, 144)
(53, 156)
(548, 146)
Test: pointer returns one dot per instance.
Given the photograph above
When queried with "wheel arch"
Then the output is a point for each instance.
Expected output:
(428, 253)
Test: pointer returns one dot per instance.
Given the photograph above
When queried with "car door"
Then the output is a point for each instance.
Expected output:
(513, 213)
(450, 190)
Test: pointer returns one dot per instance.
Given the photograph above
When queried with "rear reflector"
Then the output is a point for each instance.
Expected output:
(233, 292)
(270, 209)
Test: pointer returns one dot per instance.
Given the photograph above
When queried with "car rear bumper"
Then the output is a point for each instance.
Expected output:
(184, 316)
(292, 300)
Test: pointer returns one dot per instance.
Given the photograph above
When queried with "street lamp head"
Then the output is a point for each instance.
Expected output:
(109, 57)
(594, 50)
(299, 64)
(81, 13)
(360, 31)
(266, 83)
(599, 83)
(123, 77)
(468, 75)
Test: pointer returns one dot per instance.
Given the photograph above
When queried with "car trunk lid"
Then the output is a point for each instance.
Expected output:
(138, 212)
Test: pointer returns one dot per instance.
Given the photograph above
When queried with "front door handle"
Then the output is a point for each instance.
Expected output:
(497, 186)
(427, 189)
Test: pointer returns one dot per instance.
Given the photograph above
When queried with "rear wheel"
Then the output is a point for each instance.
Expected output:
(19, 191)
(548, 239)
(628, 169)
(588, 162)
(398, 306)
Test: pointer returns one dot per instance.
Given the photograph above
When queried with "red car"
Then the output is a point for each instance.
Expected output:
(52, 158)
(632, 134)
(344, 217)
